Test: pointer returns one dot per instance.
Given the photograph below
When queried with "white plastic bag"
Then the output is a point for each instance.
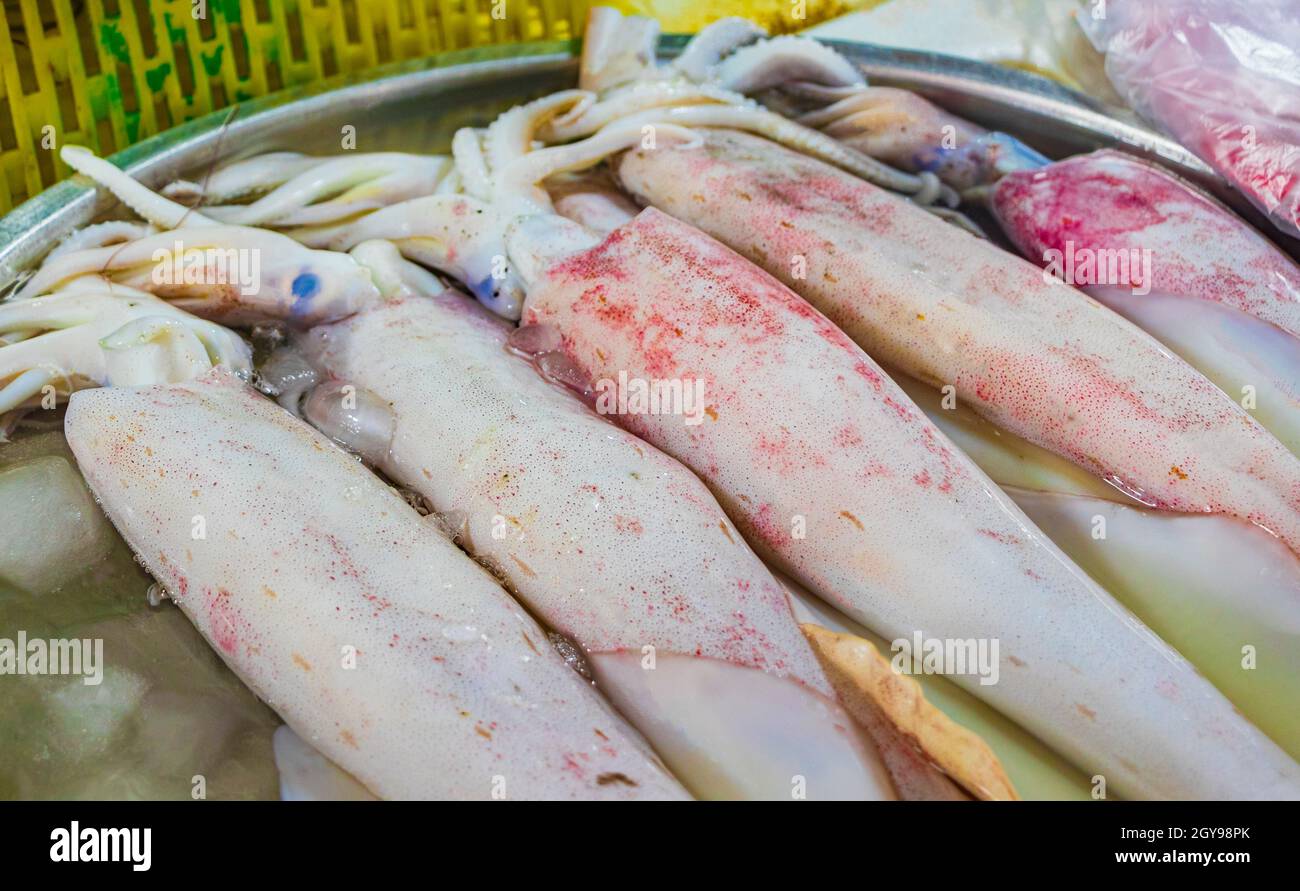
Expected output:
(1220, 76)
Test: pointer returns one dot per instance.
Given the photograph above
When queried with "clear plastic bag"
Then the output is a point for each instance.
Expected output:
(1220, 76)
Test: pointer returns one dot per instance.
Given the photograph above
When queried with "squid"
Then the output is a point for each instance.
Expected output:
(702, 89)
(464, 234)
(1186, 269)
(1031, 354)
(894, 126)
(1202, 281)
(795, 410)
(95, 333)
(367, 630)
(1222, 592)
(619, 301)
(299, 190)
(225, 273)
(707, 662)
(372, 635)
(854, 493)
(614, 544)
(1215, 291)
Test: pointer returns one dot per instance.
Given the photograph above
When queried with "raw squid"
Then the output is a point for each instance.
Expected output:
(894, 126)
(1132, 235)
(1221, 591)
(95, 333)
(1173, 261)
(1033, 355)
(836, 476)
(656, 299)
(920, 541)
(373, 636)
(590, 542)
(611, 542)
(293, 560)
(464, 235)
(299, 190)
(231, 274)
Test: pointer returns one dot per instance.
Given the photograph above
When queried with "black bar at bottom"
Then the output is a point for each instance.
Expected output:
(455, 841)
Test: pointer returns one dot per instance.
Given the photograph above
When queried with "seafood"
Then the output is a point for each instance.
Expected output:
(430, 366)
(305, 191)
(1199, 279)
(591, 199)
(1161, 246)
(373, 636)
(796, 410)
(94, 333)
(225, 273)
(1217, 589)
(611, 542)
(801, 443)
(618, 303)
(892, 125)
(1030, 353)
(464, 235)
(179, 445)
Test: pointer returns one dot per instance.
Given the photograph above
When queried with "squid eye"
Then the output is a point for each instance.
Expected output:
(305, 286)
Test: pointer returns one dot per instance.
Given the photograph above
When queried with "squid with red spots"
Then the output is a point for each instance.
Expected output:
(1033, 355)
(800, 443)
(608, 540)
(835, 475)
(832, 472)
(1134, 236)
(370, 633)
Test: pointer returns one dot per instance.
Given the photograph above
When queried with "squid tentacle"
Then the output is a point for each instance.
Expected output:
(925, 188)
(460, 234)
(516, 187)
(100, 333)
(782, 59)
(748, 69)
(511, 134)
(233, 273)
(713, 43)
(336, 188)
(101, 235)
(471, 163)
(617, 49)
(628, 100)
(160, 211)
(239, 179)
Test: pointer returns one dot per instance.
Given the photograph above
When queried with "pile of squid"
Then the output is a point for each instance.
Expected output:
(453, 575)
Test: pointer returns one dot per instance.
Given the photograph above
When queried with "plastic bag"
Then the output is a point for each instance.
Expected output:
(1220, 76)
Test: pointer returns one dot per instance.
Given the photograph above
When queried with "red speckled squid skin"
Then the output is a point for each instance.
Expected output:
(1033, 355)
(1110, 200)
(304, 553)
(833, 473)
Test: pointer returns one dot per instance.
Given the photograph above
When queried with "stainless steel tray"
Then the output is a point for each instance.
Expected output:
(417, 106)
